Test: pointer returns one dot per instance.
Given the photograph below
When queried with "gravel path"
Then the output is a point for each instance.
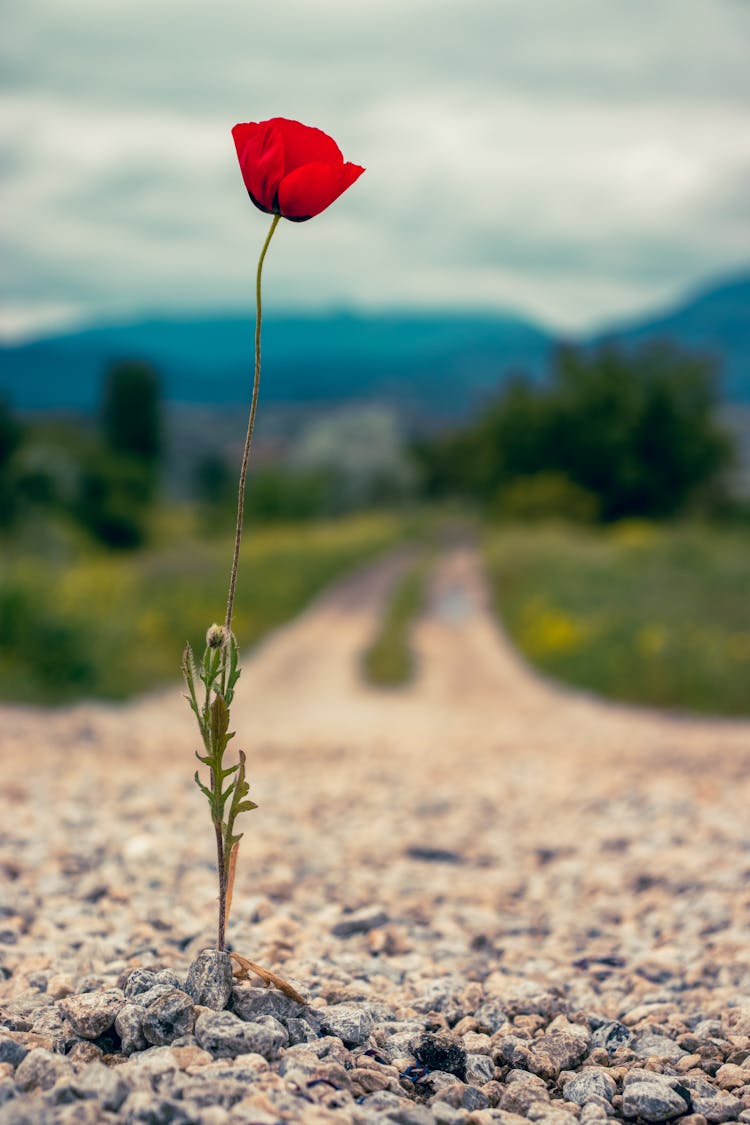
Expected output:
(504, 902)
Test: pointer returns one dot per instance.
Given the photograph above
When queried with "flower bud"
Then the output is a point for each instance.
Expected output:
(216, 636)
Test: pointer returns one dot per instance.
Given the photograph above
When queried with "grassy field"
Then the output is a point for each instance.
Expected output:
(75, 623)
(650, 614)
(389, 662)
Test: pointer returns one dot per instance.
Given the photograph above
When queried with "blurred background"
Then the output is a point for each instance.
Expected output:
(529, 319)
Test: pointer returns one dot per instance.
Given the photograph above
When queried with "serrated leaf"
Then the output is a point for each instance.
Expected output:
(246, 806)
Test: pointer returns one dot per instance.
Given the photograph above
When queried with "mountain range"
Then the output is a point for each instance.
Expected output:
(433, 363)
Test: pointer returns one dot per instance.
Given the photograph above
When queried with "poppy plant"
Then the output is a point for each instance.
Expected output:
(291, 171)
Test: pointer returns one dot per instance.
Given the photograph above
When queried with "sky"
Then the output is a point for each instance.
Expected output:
(577, 161)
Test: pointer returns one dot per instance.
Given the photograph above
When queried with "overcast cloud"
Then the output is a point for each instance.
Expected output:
(577, 160)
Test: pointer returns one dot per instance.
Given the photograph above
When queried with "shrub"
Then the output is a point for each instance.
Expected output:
(544, 496)
(131, 412)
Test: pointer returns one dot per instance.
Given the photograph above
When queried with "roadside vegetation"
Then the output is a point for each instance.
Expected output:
(93, 623)
(641, 612)
(389, 662)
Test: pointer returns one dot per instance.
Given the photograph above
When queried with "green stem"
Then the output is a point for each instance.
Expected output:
(250, 428)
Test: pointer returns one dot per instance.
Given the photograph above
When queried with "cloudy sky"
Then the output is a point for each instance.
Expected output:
(577, 160)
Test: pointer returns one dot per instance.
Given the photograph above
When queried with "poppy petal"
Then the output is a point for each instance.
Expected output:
(304, 144)
(260, 151)
(308, 190)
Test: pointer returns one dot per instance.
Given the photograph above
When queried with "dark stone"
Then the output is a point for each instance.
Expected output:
(210, 980)
(442, 1052)
(611, 1035)
(170, 1016)
(652, 1101)
(140, 980)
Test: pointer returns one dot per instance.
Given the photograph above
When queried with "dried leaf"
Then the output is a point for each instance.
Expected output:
(271, 980)
(230, 880)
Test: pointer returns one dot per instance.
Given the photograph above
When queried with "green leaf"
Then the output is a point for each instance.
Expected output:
(218, 725)
(233, 672)
(194, 707)
(237, 805)
(202, 787)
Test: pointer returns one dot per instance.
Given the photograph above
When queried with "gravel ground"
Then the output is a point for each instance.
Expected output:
(503, 902)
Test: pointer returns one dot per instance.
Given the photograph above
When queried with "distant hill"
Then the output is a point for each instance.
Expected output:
(435, 362)
(428, 365)
(716, 322)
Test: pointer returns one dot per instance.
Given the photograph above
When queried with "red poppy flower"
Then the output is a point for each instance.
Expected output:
(291, 169)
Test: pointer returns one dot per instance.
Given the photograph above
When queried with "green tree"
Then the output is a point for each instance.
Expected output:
(634, 430)
(131, 411)
(11, 437)
(637, 429)
(117, 483)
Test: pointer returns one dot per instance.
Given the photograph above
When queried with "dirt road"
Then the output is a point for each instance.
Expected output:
(481, 802)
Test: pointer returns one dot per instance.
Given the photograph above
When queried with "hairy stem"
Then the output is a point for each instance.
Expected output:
(250, 428)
